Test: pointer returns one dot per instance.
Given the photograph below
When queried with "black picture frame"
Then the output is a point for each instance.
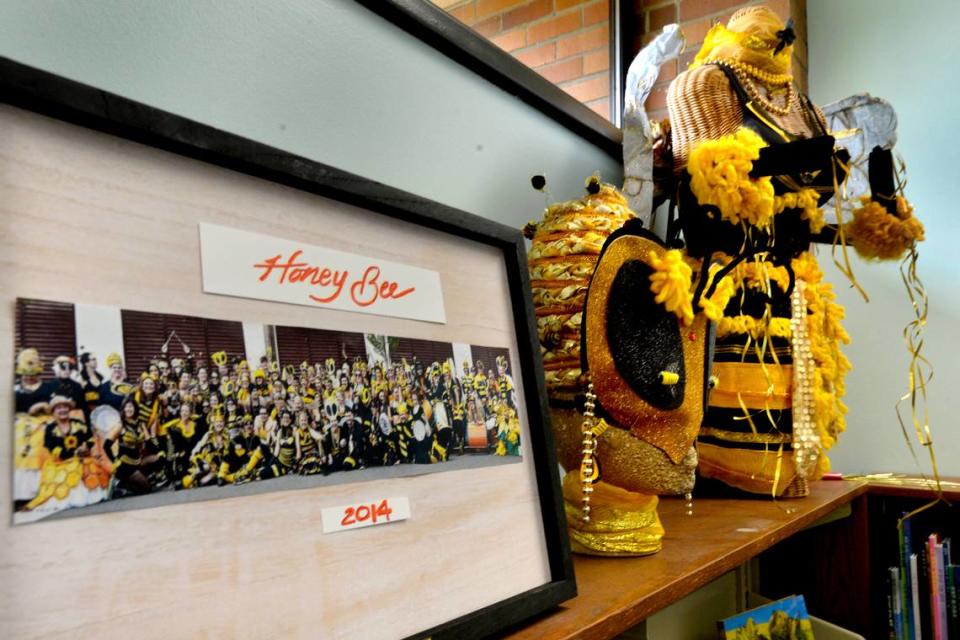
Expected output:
(53, 96)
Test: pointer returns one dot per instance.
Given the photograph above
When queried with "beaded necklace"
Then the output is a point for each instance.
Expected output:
(748, 73)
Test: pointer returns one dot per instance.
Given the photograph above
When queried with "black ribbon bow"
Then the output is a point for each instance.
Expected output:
(786, 36)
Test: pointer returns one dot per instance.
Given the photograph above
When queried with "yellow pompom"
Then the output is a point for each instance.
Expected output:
(720, 176)
(671, 282)
(878, 235)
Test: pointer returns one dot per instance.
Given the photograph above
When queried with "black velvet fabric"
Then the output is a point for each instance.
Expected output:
(882, 181)
(732, 420)
(644, 338)
(808, 162)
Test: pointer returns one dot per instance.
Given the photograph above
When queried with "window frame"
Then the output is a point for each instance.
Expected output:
(433, 26)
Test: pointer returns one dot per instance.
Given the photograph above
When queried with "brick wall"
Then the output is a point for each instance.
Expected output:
(568, 41)
(695, 18)
(565, 41)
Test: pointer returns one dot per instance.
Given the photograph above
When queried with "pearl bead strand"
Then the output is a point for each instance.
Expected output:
(806, 440)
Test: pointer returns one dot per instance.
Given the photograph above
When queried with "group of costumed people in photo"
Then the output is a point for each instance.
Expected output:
(84, 437)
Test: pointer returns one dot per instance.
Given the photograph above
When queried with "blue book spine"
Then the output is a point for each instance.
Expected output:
(906, 548)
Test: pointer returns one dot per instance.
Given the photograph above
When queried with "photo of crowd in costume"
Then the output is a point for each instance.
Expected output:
(86, 434)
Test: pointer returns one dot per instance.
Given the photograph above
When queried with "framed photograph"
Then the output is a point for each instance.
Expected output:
(250, 395)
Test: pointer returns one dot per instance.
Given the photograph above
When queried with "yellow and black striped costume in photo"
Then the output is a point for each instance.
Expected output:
(310, 461)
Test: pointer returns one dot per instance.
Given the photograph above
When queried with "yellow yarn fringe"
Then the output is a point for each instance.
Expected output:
(756, 328)
(878, 235)
(720, 176)
(714, 305)
(671, 282)
(673, 285)
(826, 335)
(758, 274)
(805, 200)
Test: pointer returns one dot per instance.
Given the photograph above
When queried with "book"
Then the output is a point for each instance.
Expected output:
(916, 623)
(938, 613)
(925, 615)
(909, 623)
(893, 628)
(895, 617)
(941, 592)
(946, 573)
(786, 618)
(953, 599)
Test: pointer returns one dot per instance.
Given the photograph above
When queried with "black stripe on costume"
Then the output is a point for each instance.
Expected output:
(772, 447)
(730, 349)
(733, 420)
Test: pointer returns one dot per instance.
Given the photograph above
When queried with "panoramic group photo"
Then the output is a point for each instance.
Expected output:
(113, 403)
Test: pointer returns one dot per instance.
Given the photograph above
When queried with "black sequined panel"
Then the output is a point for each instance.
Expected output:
(644, 338)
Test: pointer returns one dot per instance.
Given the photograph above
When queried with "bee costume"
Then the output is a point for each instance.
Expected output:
(755, 163)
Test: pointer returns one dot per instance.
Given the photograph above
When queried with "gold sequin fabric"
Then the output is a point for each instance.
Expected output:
(625, 460)
(622, 523)
(673, 431)
(768, 471)
(562, 257)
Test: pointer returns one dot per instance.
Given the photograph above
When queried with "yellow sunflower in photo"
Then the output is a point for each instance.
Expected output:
(70, 442)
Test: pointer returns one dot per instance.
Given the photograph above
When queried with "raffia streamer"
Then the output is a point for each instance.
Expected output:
(920, 374)
(846, 268)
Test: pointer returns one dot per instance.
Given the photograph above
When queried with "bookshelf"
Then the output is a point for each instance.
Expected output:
(845, 573)
(616, 594)
(833, 546)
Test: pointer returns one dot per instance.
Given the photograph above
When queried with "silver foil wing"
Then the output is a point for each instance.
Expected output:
(637, 135)
(859, 123)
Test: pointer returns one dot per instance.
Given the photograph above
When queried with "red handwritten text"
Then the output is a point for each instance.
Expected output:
(368, 289)
(364, 291)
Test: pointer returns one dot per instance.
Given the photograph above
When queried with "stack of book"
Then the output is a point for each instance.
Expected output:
(923, 598)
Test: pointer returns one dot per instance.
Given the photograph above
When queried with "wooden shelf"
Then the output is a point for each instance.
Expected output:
(912, 487)
(615, 594)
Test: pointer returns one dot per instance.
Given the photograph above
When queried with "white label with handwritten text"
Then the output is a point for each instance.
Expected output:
(365, 514)
(253, 265)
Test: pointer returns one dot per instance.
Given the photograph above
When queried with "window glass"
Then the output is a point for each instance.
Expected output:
(565, 41)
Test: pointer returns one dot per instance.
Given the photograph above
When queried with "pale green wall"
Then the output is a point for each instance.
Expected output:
(905, 52)
(325, 79)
